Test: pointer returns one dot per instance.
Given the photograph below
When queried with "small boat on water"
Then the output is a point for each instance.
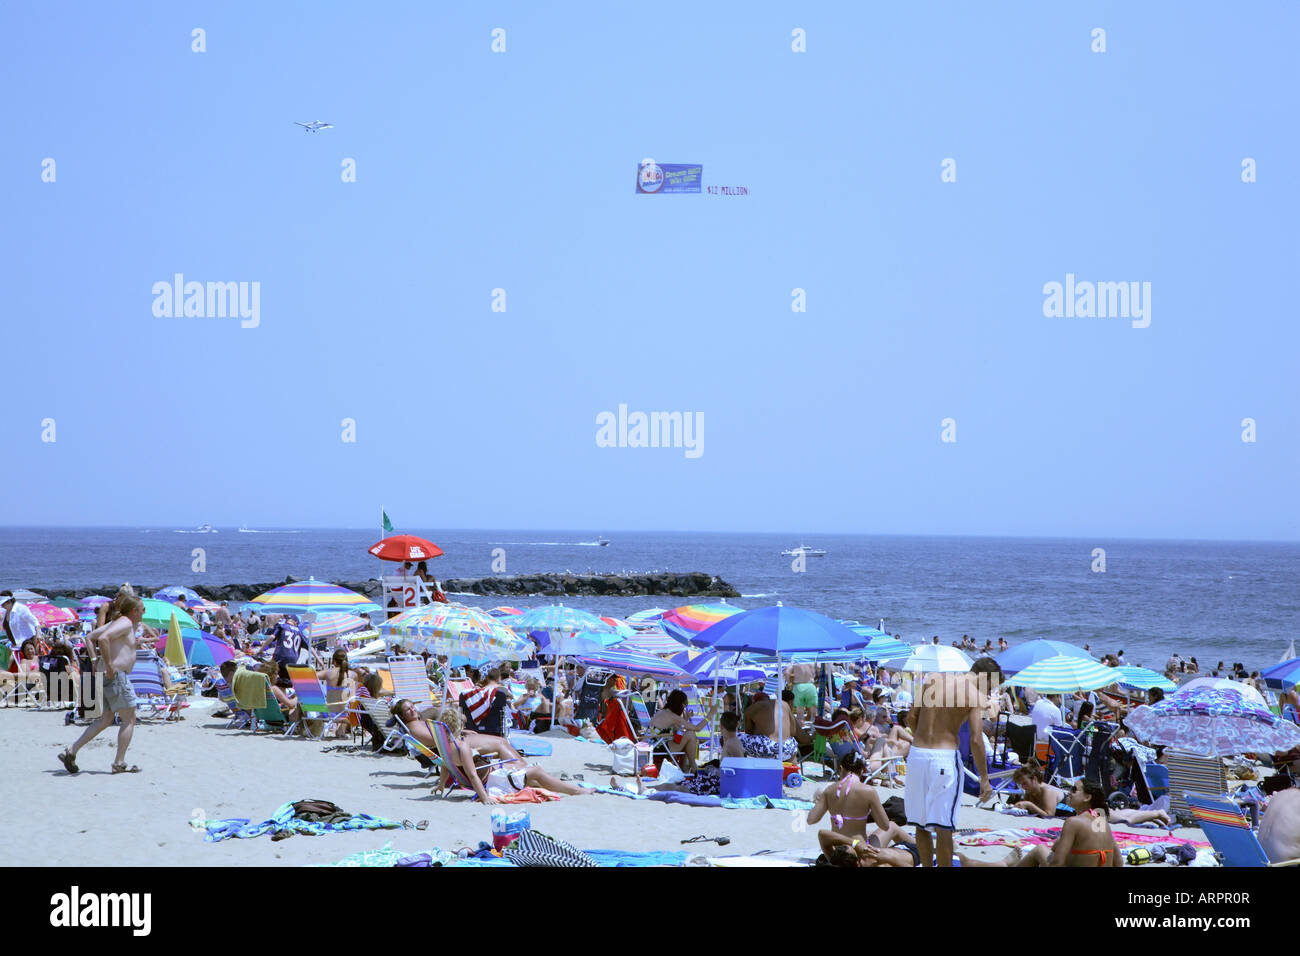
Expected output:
(603, 542)
(805, 551)
(206, 529)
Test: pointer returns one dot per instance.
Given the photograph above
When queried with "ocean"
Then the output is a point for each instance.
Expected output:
(1230, 601)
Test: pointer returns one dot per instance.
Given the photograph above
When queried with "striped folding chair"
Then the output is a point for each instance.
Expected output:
(381, 713)
(239, 717)
(411, 681)
(442, 735)
(152, 697)
(1195, 773)
(1228, 831)
(312, 703)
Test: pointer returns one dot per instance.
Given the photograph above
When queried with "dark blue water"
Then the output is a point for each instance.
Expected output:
(1217, 600)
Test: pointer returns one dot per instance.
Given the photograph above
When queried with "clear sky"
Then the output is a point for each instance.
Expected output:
(478, 170)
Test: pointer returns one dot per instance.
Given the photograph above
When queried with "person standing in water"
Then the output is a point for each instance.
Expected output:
(116, 642)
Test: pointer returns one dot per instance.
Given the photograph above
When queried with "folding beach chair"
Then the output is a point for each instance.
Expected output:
(239, 718)
(27, 686)
(1195, 773)
(381, 713)
(416, 747)
(269, 715)
(442, 736)
(638, 719)
(1068, 757)
(1227, 829)
(999, 769)
(312, 704)
(152, 697)
(411, 680)
(343, 709)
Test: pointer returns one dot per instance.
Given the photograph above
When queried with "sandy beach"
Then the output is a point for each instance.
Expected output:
(195, 768)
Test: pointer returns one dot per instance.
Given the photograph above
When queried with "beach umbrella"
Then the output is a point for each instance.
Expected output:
(176, 591)
(333, 624)
(1282, 676)
(652, 640)
(1216, 723)
(456, 631)
(1064, 674)
(66, 602)
(1031, 652)
(405, 547)
(47, 615)
(633, 664)
(24, 595)
(688, 620)
(95, 600)
(201, 648)
(1221, 684)
(935, 659)
(309, 597)
(561, 631)
(882, 646)
(175, 651)
(649, 614)
(504, 611)
(1143, 678)
(778, 631)
(726, 669)
(158, 614)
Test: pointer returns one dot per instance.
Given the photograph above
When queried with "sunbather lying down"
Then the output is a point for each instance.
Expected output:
(895, 847)
(509, 777)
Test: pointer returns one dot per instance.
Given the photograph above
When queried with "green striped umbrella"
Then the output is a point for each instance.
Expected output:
(1063, 674)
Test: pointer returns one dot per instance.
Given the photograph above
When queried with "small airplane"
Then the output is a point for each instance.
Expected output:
(314, 126)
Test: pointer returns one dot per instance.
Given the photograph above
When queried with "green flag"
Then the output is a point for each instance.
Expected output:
(388, 525)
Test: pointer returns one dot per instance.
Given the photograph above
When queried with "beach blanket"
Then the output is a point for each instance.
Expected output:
(250, 689)
(627, 858)
(530, 746)
(698, 800)
(284, 820)
(1048, 835)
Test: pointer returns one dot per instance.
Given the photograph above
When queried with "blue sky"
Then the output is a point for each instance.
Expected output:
(478, 171)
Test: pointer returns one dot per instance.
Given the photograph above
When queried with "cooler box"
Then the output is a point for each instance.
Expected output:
(750, 777)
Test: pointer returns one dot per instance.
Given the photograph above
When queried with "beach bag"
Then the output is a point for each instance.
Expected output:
(507, 827)
(623, 753)
(669, 772)
(538, 849)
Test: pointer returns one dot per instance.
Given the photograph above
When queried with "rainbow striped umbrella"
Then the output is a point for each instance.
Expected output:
(47, 615)
(505, 611)
(307, 597)
(457, 631)
(685, 622)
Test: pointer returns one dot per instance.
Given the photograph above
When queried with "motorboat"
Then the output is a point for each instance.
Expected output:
(804, 551)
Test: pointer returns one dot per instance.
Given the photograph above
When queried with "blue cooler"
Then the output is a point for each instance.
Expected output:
(750, 777)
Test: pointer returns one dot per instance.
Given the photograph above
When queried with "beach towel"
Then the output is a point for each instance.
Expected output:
(250, 689)
(615, 725)
(1046, 836)
(529, 795)
(284, 820)
(530, 746)
(649, 858)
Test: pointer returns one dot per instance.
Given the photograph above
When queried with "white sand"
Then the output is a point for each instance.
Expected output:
(196, 768)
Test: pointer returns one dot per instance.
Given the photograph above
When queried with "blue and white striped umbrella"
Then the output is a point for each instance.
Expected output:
(636, 665)
(1143, 678)
(1064, 674)
(648, 639)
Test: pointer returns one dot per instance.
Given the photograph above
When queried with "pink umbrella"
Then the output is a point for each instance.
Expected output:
(47, 615)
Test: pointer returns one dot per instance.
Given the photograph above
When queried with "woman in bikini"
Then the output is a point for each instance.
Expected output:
(1086, 839)
(1044, 800)
(849, 804)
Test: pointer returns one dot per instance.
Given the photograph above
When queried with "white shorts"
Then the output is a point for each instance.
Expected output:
(933, 788)
(507, 781)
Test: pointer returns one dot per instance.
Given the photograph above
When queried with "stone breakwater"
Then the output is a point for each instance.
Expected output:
(689, 584)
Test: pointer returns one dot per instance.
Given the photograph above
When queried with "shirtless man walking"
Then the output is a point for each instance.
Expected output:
(934, 771)
(116, 643)
(802, 678)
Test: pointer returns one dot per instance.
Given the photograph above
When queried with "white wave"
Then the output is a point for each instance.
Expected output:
(764, 594)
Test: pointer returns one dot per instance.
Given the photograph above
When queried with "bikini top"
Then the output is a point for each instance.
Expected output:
(843, 787)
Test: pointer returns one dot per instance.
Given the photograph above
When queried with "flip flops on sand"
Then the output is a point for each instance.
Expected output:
(69, 762)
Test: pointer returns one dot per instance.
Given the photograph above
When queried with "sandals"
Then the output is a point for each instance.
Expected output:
(69, 762)
(123, 768)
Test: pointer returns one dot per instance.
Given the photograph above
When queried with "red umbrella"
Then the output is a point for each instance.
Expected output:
(405, 547)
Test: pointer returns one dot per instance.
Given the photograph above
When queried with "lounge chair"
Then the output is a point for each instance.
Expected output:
(1189, 772)
(1234, 842)
(382, 714)
(152, 697)
(638, 718)
(411, 680)
(270, 715)
(416, 747)
(312, 703)
(239, 718)
(1068, 748)
(442, 735)
(999, 768)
